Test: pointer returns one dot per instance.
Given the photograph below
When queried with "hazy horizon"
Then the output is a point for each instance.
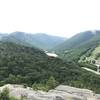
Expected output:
(63, 18)
(51, 34)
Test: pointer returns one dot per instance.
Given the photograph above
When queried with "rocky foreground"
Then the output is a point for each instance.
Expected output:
(62, 92)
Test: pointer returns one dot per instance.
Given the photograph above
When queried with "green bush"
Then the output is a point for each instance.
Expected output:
(4, 95)
(50, 84)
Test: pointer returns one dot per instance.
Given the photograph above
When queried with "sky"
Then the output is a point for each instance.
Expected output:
(56, 17)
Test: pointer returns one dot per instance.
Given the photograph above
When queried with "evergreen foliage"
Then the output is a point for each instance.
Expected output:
(31, 66)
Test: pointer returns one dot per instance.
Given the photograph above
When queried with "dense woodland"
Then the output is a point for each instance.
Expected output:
(78, 45)
(30, 66)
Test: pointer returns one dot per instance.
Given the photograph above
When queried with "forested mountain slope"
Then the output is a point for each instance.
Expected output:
(79, 44)
(76, 40)
(38, 40)
(27, 65)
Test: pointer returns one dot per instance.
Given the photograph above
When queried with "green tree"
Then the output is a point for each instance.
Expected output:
(4, 95)
(51, 83)
(12, 78)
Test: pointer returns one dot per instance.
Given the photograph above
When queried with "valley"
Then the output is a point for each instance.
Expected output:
(49, 49)
(72, 62)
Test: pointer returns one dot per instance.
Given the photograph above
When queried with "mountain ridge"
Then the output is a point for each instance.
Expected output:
(78, 40)
(78, 45)
(39, 40)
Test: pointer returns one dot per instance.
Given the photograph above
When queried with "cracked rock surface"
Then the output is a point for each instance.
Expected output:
(61, 92)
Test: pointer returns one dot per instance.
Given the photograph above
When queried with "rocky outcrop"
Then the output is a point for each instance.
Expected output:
(62, 92)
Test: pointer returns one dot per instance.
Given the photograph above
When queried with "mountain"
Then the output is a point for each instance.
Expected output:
(79, 44)
(78, 40)
(38, 40)
(27, 65)
(2, 35)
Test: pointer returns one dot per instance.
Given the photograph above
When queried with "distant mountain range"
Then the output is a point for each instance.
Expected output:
(2, 35)
(39, 40)
(72, 48)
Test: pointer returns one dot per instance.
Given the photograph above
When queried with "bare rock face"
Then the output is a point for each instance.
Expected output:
(97, 96)
(84, 94)
(62, 92)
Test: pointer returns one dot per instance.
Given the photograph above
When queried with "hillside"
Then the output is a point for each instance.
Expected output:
(92, 57)
(76, 41)
(39, 40)
(79, 44)
(28, 65)
(2, 35)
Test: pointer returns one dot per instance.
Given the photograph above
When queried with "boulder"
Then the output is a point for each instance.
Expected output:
(61, 92)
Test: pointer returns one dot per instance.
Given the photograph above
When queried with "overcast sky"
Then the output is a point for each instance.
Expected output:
(55, 17)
